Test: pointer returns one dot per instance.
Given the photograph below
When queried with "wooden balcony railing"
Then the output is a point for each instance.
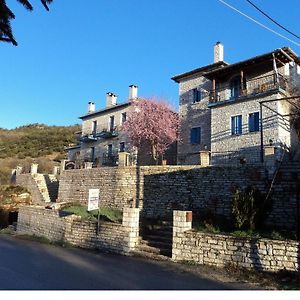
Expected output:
(251, 88)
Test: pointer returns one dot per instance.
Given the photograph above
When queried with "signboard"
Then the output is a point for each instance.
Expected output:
(93, 199)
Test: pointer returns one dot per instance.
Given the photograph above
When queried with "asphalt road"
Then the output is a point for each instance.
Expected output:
(27, 265)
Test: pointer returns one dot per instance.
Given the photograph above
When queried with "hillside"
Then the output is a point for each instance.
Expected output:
(33, 143)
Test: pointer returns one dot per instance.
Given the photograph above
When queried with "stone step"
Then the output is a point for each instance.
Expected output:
(160, 231)
(158, 238)
(148, 255)
(154, 250)
(157, 244)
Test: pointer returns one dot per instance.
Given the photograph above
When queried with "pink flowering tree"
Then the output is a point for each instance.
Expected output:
(151, 124)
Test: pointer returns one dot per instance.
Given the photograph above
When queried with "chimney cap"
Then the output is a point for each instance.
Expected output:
(217, 43)
(133, 85)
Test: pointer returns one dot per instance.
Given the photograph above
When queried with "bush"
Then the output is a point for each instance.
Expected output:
(248, 208)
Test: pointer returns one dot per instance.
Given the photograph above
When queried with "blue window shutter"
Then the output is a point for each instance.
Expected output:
(199, 135)
(192, 136)
(256, 121)
(251, 122)
(195, 135)
(194, 95)
(239, 124)
(232, 125)
(236, 125)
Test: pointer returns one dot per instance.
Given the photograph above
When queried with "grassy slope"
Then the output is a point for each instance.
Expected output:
(33, 143)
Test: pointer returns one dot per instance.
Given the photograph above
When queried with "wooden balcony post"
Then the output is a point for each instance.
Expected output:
(242, 91)
(214, 90)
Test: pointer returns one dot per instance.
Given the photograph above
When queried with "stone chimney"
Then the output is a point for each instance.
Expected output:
(91, 107)
(133, 91)
(218, 52)
(111, 99)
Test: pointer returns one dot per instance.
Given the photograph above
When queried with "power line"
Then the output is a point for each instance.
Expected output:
(270, 18)
(260, 24)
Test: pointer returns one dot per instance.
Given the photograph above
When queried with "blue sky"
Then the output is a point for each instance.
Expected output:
(77, 52)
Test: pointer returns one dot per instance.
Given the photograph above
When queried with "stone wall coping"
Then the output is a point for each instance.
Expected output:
(165, 167)
(244, 239)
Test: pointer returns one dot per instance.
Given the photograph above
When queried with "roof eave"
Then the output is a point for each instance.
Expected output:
(178, 77)
(104, 110)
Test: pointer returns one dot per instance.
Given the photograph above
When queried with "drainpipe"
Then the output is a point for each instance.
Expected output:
(261, 134)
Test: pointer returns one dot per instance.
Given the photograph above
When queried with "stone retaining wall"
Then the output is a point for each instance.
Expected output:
(220, 250)
(27, 181)
(157, 190)
(59, 226)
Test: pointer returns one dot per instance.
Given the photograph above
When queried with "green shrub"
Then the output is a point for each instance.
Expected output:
(248, 208)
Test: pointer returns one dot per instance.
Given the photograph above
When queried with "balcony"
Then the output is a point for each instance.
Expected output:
(251, 88)
(106, 134)
(88, 138)
(110, 159)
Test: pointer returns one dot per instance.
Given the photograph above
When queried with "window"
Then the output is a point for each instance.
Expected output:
(123, 117)
(111, 123)
(109, 150)
(196, 135)
(122, 147)
(235, 86)
(196, 95)
(236, 125)
(92, 153)
(94, 128)
(253, 122)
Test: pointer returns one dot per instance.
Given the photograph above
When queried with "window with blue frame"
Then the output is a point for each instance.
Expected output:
(122, 147)
(253, 122)
(196, 135)
(236, 125)
(196, 95)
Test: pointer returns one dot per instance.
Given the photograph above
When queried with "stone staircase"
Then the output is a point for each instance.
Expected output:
(155, 240)
(289, 171)
(47, 185)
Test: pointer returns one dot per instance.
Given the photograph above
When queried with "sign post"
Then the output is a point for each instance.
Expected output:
(93, 204)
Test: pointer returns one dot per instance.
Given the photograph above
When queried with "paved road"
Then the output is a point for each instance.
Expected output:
(27, 265)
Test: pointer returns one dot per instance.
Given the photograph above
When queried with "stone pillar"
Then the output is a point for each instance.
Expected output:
(56, 170)
(182, 221)
(123, 159)
(204, 158)
(34, 169)
(63, 164)
(270, 159)
(131, 223)
(88, 165)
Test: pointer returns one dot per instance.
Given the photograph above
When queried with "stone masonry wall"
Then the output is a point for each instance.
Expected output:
(220, 250)
(117, 185)
(59, 226)
(26, 180)
(227, 148)
(202, 190)
(193, 115)
(157, 190)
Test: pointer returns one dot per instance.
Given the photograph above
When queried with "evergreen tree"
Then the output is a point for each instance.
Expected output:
(6, 15)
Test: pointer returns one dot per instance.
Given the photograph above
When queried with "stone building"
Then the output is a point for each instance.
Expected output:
(232, 112)
(100, 140)
(102, 143)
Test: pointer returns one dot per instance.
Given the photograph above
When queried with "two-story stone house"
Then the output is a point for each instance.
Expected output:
(100, 140)
(235, 110)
